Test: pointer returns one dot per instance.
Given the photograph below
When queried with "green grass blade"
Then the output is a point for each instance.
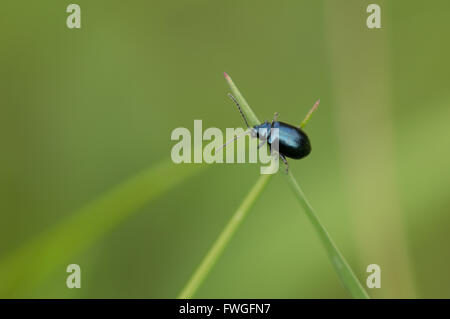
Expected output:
(30, 264)
(310, 113)
(342, 268)
(219, 245)
(340, 265)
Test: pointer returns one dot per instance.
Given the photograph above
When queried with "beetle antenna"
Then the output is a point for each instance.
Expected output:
(239, 108)
(232, 140)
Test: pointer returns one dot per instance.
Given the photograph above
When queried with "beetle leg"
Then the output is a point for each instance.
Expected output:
(283, 158)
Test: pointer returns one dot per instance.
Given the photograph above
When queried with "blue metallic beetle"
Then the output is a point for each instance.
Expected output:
(292, 141)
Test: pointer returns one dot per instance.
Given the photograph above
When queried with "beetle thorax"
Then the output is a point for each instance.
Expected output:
(262, 131)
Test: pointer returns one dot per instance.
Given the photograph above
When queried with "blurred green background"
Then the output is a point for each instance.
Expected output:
(84, 110)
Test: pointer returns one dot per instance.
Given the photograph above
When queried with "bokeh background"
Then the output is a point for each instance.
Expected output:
(83, 111)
